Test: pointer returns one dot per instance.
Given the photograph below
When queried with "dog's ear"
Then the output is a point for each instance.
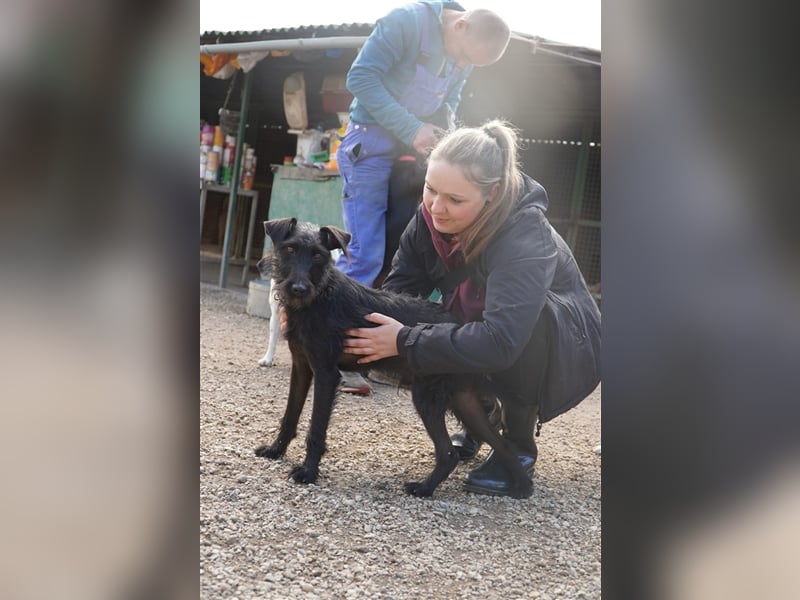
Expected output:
(279, 229)
(333, 237)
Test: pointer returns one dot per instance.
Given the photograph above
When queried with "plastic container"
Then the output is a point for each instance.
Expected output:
(228, 156)
(258, 298)
(219, 139)
(212, 166)
(203, 160)
(229, 151)
(316, 145)
(207, 136)
(336, 141)
(248, 169)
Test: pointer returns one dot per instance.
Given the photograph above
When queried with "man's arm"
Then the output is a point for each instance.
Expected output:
(393, 37)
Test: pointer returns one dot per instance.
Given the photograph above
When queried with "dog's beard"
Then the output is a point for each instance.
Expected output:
(292, 302)
(317, 282)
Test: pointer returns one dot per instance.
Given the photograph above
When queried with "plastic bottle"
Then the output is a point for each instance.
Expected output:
(228, 156)
(212, 166)
(249, 169)
(203, 160)
(336, 140)
(316, 152)
(207, 135)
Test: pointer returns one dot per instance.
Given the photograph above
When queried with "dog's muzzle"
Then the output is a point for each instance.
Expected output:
(299, 289)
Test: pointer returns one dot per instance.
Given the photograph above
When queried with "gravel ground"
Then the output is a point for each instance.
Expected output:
(355, 533)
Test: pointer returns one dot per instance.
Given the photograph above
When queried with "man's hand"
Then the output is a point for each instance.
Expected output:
(427, 137)
(374, 343)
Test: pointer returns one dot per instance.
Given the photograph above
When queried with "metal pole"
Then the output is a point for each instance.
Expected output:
(579, 185)
(327, 43)
(250, 227)
(226, 245)
(594, 63)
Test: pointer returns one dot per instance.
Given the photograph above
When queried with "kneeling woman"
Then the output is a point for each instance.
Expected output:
(482, 238)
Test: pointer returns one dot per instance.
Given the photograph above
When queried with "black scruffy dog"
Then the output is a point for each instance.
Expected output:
(321, 303)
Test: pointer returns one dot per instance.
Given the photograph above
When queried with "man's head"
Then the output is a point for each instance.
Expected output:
(476, 37)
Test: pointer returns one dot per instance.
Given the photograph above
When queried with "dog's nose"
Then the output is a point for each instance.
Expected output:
(299, 289)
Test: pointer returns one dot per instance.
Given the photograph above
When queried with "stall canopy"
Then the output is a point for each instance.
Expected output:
(549, 90)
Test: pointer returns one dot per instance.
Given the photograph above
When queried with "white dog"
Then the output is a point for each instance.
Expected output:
(274, 327)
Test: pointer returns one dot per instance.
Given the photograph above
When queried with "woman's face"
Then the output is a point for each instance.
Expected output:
(453, 202)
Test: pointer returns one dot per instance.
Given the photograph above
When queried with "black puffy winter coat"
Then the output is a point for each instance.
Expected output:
(529, 273)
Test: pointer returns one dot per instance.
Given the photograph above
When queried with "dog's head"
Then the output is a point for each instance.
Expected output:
(300, 259)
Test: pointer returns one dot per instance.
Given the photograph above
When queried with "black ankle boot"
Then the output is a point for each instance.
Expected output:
(493, 479)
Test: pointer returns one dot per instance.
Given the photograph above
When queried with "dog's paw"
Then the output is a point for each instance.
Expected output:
(265, 362)
(418, 489)
(524, 490)
(302, 474)
(272, 451)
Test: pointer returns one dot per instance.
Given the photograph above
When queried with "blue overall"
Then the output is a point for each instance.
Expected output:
(365, 159)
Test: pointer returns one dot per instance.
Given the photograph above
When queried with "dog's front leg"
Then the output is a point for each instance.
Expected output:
(299, 384)
(274, 327)
(325, 382)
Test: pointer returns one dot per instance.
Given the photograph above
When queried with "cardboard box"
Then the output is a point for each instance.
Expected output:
(335, 97)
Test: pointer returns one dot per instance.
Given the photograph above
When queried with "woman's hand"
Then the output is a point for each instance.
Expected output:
(284, 320)
(374, 343)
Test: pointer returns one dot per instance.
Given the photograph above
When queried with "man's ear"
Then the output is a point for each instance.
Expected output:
(333, 237)
(279, 229)
(461, 25)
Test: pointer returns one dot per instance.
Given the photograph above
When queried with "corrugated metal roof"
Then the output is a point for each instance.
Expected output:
(287, 32)
(357, 29)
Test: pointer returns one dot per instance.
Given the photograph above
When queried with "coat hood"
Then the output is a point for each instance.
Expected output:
(531, 202)
(532, 194)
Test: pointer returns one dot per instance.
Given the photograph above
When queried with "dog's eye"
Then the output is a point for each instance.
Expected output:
(317, 257)
(290, 250)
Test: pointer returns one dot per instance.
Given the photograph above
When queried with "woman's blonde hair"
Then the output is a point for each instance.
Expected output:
(487, 156)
